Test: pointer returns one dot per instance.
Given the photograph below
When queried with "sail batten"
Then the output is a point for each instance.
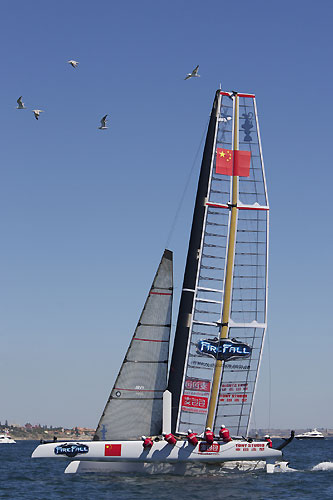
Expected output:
(135, 405)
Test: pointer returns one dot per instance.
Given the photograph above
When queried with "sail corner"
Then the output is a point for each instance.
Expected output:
(168, 254)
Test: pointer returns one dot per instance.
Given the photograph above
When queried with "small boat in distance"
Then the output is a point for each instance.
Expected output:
(314, 434)
(6, 438)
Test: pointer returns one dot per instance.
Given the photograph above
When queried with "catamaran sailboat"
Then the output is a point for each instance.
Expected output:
(221, 322)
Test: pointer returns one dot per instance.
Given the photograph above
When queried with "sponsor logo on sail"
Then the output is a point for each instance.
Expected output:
(197, 385)
(194, 404)
(224, 349)
(70, 449)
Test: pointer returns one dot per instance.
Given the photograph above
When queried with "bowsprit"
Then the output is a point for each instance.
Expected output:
(71, 450)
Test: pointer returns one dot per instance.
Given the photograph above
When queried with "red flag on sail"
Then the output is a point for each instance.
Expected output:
(229, 162)
(112, 450)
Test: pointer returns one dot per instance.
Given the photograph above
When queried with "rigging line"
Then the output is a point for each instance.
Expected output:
(174, 222)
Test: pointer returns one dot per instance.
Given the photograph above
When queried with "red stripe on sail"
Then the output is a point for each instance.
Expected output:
(239, 95)
(253, 208)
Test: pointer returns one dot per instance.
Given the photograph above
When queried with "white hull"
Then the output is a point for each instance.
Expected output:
(161, 452)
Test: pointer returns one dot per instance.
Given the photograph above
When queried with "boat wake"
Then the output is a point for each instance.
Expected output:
(326, 466)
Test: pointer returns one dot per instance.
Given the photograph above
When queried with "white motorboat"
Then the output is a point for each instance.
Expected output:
(314, 434)
(6, 438)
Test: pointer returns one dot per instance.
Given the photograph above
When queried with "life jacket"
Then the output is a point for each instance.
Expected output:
(225, 435)
(209, 437)
(269, 443)
(192, 438)
(148, 443)
(170, 438)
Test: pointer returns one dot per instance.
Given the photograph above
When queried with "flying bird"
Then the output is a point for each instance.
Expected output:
(103, 123)
(37, 112)
(193, 74)
(73, 63)
(20, 103)
(225, 118)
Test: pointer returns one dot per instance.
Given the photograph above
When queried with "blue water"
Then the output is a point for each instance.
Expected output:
(27, 479)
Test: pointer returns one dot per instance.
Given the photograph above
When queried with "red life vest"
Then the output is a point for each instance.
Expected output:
(225, 435)
(209, 437)
(170, 438)
(148, 443)
(269, 443)
(192, 438)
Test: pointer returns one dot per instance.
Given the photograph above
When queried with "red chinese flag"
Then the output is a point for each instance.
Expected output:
(229, 162)
(242, 160)
(224, 161)
(112, 450)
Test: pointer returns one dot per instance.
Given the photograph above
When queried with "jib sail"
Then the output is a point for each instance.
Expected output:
(135, 404)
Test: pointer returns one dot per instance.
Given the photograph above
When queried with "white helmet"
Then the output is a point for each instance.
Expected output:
(143, 437)
(222, 426)
(163, 433)
(208, 429)
(267, 436)
(189, 431)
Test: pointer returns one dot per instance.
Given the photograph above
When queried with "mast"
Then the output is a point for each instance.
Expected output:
(228, 278)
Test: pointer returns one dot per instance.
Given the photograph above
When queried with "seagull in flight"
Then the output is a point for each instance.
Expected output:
(20, 103)
(225, 118)
(37, 112)
(103, 123)
(73, 63)
(193, 74)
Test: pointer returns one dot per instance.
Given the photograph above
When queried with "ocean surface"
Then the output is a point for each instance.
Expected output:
(43, 479)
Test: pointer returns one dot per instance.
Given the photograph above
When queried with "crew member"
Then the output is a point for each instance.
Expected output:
(147, 442)
(209, 435)
(269, 441)
(169, 438)
(192, 437)
(225, 434)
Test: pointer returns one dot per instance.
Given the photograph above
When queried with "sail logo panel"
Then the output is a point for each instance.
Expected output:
(247, 318)
(224, 349)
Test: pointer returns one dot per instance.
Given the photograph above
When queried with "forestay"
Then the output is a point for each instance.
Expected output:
(247, 322)
(135, 405)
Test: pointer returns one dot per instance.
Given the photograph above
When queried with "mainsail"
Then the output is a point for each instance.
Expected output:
(222, 316)
(135, 404)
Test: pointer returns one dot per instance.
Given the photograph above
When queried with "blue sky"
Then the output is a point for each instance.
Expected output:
(85, 214)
